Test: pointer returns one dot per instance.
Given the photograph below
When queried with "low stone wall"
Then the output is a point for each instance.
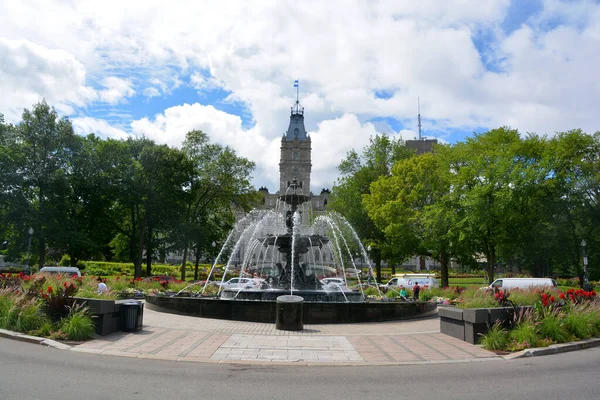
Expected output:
(470, 323)
(313, 313)
(107, 314)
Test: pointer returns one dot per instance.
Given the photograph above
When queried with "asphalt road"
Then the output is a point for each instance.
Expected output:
(29, 371)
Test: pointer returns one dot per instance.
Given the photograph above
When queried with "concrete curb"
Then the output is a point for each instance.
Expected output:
(554, 349)
(33, 339)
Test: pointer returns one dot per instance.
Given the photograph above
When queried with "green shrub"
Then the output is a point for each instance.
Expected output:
(8, 309)
(44, 330)
(475, 298)
(65, 261)
(78, 325)
(495, 339)
(392, 294)
(30, 317)
(524, 297)
(371, 291)
(523, 336)
(579, 323)
(552, 327)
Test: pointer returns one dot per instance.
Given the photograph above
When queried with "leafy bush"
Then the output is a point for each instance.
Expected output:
(57, 300)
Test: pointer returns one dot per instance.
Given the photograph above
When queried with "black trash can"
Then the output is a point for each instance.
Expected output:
(133, 315)
(289, 313)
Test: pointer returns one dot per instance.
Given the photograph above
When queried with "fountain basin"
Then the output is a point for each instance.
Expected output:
(314, 296)
(313, 312)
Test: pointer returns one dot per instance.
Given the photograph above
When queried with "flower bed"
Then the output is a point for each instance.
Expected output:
(56, 306)
(501, 324)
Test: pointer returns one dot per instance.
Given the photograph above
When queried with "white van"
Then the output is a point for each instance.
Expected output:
(410, 280)
(523, 283)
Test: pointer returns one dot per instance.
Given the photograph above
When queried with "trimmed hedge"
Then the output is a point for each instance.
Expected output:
(101, 268)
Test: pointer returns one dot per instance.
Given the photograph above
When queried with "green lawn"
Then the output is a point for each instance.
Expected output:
(466, 282)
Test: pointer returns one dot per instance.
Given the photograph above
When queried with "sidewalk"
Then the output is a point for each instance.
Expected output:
(175, 337)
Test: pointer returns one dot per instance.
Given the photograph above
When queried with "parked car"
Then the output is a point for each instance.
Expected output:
(333, 283)
(61, 270)
(244, 283)
(409, 280)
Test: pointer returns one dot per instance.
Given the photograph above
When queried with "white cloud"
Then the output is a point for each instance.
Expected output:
(30, 72)
(151, 92)
(341, 52)
(203, 83)
(87, 125)
(116, 90)
(171, 127)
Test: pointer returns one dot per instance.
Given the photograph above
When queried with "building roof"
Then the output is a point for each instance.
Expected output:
(296, 129)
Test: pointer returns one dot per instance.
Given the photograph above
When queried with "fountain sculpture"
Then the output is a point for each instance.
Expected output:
(284, 254)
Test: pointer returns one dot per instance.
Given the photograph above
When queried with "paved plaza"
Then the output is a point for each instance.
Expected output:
(176, 337)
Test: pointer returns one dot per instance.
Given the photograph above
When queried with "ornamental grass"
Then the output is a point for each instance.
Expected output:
(556, 317)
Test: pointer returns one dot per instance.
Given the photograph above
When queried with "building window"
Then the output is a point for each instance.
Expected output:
(295, 155)
(318, 203)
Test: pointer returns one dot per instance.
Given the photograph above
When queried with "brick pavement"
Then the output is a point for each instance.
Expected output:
(181, 338)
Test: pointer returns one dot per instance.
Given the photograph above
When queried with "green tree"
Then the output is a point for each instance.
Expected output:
(574, 163)
(495, 177)
(411, 208)
(218, 182)
(358, 172)
(44, 142)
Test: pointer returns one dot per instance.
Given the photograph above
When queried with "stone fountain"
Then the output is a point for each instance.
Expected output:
(286, 254)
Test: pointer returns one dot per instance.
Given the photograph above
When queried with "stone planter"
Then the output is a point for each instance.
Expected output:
(470, 323)
(107, 314)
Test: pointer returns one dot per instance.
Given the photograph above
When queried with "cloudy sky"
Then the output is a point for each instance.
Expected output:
(160, 69)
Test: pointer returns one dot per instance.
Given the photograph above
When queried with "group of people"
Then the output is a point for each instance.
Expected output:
(415, 295)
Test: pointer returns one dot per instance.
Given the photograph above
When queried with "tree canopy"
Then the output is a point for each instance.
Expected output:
(109, 199)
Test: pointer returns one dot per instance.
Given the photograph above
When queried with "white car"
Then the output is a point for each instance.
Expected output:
(333, 283)
(243, 283)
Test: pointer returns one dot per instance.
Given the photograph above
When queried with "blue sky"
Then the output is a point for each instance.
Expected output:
(228, 68)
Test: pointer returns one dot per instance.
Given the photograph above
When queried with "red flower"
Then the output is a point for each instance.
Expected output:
(552, 299)
(562, 296)
(49, 290)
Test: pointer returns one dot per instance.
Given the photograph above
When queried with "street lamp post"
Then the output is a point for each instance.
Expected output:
(30, 231)
(586, 281)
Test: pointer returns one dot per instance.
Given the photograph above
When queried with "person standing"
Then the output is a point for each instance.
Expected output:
(416, 290)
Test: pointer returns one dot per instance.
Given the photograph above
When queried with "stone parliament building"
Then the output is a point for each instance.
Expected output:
(295, 163)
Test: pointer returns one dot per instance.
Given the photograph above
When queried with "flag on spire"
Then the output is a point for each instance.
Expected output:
(296, 83)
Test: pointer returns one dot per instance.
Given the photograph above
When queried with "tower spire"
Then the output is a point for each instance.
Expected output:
(419, 117)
